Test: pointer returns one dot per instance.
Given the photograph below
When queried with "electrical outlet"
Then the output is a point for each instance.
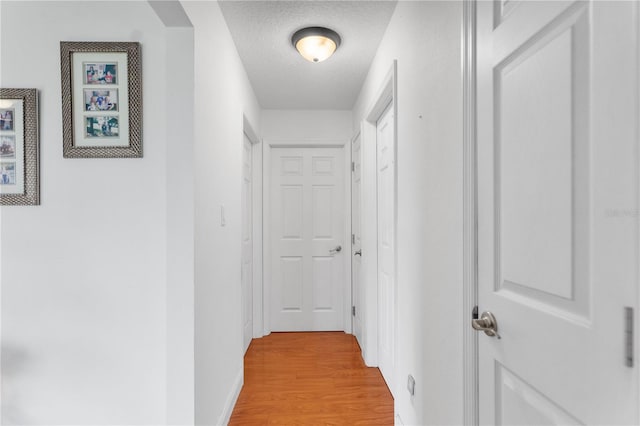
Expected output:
(411, 385)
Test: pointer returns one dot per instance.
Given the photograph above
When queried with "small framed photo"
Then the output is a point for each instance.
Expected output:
(105, 126)
(101, 73)
(7, 118)
(19, 147)
(101, 99)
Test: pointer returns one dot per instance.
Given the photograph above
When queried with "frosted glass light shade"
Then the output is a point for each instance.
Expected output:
(316, 44)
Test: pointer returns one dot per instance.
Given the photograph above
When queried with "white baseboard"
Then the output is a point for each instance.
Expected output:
(365, 357)
(230, 403)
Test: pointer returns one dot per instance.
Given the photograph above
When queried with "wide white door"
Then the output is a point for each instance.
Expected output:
(356, 238)
(307, 211)
(247, 244)
(385, 141)
(557, 210)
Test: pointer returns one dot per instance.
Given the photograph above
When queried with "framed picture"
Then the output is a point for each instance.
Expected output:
(101, 99)
(19, 147)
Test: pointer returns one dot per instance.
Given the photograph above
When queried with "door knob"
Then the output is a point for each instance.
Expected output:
(358, 253)
(486, 323)
(338, 249)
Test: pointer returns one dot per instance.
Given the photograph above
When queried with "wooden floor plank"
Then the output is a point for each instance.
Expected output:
(310, 379)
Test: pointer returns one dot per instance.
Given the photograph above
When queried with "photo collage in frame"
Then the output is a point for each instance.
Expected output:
(100, 90)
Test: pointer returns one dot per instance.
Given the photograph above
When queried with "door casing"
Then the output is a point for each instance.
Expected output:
(256, 213)
(247, 240)
(470, 244)
(356, 290)
(386, 95)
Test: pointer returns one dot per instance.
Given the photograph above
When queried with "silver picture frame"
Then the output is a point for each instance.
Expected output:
(19, 148)
(101, 99)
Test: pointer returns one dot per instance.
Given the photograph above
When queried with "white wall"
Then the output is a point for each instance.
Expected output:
(180, 226)
(223, 95)
(84, 276)
(425, 38)
(306, 124)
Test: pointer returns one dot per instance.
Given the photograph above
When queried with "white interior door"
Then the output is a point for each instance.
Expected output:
(307, 209)
(356, 238)
(385, 143)
(557, 162)
(247, 244)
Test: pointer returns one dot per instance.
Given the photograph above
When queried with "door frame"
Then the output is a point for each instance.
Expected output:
(636, 337)
(385, 96)
(351, 241)
(256, 223)
(470, 222)
(265, 296)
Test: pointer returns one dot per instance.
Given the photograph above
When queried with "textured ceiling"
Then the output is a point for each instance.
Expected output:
(280, 77)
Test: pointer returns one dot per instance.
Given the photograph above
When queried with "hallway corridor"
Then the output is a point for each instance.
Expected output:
(311, 379)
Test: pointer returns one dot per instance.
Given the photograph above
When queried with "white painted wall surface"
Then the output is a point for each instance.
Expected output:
(84, 276)
(180, 227)
(425, 38)
(306, 124)
(223, 95)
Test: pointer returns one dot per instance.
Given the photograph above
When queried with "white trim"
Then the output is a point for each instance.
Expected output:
(348, 275)
(257, 224)
(350, 228)
(386, 95)
(305, 143)
(470, 245)
(232, 398)
(266, 242)
(266, 238)
(636, 337)
(247, 129)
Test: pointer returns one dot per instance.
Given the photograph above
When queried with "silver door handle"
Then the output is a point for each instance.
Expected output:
(358, 253)
(338, 249)
(486, 323)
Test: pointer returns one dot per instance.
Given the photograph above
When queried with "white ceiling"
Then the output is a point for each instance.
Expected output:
(280, 77)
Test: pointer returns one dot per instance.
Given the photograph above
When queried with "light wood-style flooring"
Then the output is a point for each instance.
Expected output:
(310, 379)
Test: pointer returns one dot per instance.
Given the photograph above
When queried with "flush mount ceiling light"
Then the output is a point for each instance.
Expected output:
(315, 44)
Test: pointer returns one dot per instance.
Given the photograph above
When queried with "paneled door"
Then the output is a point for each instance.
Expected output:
(385, 143)
(247, 244)
(557, 211)
(356, 238)
(307, 211)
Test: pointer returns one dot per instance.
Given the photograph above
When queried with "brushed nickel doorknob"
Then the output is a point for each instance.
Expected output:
(487, 323)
